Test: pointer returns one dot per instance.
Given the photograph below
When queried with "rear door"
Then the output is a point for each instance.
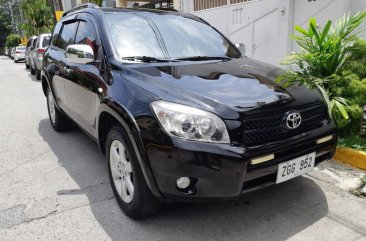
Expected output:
(84, 86)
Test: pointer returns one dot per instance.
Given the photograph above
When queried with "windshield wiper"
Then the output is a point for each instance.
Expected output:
(146, 59)
(202, 58)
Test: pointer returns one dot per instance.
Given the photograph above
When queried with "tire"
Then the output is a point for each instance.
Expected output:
(140, 202)
(38, 74)
(59, 121)
(15, 61)
(26, 65)
(32, 70)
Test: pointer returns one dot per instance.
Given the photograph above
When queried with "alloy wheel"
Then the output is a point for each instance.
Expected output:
(121, 170)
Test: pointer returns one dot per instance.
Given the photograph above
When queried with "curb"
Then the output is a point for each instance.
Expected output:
(352, 157)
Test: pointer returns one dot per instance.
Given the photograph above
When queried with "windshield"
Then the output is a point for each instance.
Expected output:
(21, 48)
(165, 36)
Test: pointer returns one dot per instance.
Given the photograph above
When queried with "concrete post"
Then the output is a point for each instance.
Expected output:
(121, 3)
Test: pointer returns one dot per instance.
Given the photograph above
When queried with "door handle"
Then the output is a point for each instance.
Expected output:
(67, 68)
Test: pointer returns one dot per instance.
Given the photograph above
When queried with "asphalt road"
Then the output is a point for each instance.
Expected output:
(54, 186)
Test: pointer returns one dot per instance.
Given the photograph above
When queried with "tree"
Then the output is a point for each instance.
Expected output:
(37, 17)
(12, 40)
(5, 26)
(97, 2)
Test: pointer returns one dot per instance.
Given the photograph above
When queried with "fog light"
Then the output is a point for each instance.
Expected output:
(183, 182)
(324, 139)
(262, 159)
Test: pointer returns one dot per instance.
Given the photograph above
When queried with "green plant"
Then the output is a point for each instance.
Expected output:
(37, 17)
(353, 141)
(12, 40)
(97, 2)
(363, 179)
(323, 53)
(356, 59)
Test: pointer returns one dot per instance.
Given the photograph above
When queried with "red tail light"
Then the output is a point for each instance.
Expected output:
(40, 51)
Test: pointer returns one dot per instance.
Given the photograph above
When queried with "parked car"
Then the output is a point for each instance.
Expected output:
(19, 54)
(5, 51)
(32, 40)
(36, 54)
(12, 53)
(8, 52)
(180, 113)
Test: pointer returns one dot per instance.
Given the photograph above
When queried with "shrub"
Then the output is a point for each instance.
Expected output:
(356, 60)
(12, 40)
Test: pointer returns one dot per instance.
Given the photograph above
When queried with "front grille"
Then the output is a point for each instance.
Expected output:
(270, 127)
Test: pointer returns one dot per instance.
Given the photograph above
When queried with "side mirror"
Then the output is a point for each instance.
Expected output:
(241, 48)
(79, 54)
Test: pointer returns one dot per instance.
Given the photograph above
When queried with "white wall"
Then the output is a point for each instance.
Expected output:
(265, 26)
(358, 5)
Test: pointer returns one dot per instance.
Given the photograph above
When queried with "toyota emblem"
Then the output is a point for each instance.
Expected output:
(293, 120)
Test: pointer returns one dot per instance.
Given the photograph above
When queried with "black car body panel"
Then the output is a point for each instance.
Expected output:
(239, 91)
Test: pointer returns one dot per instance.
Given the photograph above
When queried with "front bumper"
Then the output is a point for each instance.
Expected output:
(223, 171)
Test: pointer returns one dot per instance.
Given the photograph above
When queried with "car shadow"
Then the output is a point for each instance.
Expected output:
(274, 213)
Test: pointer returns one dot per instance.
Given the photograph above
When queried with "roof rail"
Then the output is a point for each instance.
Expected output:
(87, 5)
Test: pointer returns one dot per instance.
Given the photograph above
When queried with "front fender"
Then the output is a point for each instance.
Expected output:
(125, 118)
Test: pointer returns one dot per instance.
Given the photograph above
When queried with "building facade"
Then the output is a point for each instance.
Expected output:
(265, 26)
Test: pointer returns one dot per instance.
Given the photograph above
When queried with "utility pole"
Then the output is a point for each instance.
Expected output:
(11, 14)
(50, 3)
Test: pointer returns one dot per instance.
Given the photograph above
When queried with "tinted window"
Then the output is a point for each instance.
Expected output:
(46, 41)
(67, 35)
(179, 36)
(56, 33)
(34, 43)
(86, 35)
(29, 43)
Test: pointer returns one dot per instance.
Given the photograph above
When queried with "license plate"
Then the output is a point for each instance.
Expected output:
(295, 167)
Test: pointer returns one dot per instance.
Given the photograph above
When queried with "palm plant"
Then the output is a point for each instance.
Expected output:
(323, 53)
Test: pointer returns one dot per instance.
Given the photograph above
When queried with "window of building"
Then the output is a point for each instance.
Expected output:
(207, 4)
(239, 1)
(199, 5)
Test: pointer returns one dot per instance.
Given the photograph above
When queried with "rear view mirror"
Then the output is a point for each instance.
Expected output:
(79, 54)
(241, 48)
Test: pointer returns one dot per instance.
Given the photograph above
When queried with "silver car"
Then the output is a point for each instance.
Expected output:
(36, 54)
(12, 53)
(19, 54)
(32, 41)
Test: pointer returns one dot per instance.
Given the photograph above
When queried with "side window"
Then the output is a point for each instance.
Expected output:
(37, 42)
(29, 43)
(67, 35)
(34, 43)
(56, 34)
(86, 34)
(46, 41)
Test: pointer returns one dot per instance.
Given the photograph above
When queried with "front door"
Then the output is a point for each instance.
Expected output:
(85, 86)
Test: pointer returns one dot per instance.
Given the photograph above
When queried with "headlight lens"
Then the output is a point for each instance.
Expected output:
(190, 123)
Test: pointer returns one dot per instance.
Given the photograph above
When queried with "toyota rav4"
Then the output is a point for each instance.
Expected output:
(180, 113)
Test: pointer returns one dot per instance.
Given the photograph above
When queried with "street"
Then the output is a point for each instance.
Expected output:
(54, 186)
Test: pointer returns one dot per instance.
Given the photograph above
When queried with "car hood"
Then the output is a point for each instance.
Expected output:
(228, 88)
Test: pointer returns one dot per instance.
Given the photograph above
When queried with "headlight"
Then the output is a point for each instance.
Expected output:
(190, 123)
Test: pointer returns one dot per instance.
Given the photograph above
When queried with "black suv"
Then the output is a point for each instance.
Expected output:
(179, 112)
